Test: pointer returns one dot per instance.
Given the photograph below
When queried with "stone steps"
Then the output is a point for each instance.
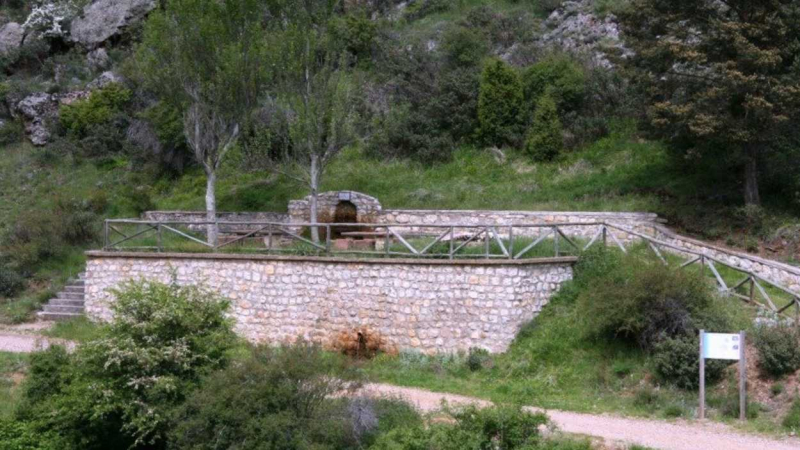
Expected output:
(67, 304)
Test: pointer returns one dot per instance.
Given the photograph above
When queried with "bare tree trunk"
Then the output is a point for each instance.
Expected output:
(211, 207)
(314, 179)
(751, 194)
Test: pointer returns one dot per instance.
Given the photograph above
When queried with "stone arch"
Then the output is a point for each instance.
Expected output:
(367, 208)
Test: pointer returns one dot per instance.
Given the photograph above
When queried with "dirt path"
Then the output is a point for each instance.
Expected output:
(656, 434)
(27, 343)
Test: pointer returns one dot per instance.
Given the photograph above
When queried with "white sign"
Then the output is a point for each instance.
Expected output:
(721, 346)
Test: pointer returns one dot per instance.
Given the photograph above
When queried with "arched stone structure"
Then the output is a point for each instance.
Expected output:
(368, 209)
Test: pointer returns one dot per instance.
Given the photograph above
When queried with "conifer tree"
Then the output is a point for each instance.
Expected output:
(545, 140)
(721, 76)
(500, 104)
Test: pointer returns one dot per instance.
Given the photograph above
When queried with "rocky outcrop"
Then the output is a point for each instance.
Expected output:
(40, 110)
(576, 27)
(104, 19)
(98, 59)
(11, 35)
(104, 80)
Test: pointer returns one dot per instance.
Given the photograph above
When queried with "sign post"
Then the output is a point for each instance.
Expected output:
(723, 346)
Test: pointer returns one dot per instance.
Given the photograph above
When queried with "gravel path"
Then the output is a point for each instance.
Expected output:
(27, 343)
(656, 434)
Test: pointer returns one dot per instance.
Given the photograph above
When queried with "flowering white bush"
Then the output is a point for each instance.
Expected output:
(51, 17)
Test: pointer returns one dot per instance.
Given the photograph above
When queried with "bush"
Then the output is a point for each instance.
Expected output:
(641, 300)
(545, 140)
(99, 108)
(15, 435)
(792, 418)
(500, 105)
(506, 428)
(11, 132)
(11, 282)
(676, 361)
(478, 359)
(560, 76)
(464, 47)
(117, 390)
(275, 398)
(356, 33)
(778, 348)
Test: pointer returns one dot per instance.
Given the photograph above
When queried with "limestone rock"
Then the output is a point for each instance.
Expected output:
(104, 19)
(576, 27)
(11, 35)
(98, 59)
(104, 80)
(35, 110)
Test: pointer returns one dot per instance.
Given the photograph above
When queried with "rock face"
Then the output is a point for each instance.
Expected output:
(11, 35)
(98, 59)
(104, 19)
(40, 109)
(104, 80)
(575, 27)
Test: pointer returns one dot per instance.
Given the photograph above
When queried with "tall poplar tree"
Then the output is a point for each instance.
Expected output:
(721, 75)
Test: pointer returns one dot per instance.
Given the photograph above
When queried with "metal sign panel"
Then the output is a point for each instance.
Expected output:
(721, 346)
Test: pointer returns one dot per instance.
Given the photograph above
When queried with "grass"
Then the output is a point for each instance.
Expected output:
(12, 367)
(552, 364)
(79, 329)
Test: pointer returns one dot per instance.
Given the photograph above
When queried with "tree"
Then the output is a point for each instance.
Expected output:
(500, 104)
(207, 57)
(720, 74)
(545, 140)
(316, 97)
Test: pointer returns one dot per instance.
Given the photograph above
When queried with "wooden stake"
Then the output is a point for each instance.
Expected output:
(742, 379)
(702, 410)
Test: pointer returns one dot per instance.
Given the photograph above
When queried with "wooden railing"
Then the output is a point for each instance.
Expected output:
(442, 241)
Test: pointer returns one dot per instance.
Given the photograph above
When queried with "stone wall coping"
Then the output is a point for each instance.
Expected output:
(195, 212)
(767, 262)
(651, 216)
(92, 254)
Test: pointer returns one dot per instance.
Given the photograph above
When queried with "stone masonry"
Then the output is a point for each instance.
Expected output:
(429, 306)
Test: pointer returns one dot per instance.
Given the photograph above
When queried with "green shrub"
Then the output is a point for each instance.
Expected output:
(545, 136)
(464, 47)
(506, 428)
(500, 105)
(641, 300)
(99, 108)
(557, 75)
(275, 398)
(792, 418)
(16, 435)
(776, 389)
(478, 358)
(355, 33)
(778, 348)
(11, 132)
(11, 282)
(676, 361)
(117, 390)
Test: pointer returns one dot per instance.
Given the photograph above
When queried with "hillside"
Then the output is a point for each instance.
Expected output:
(121, 151)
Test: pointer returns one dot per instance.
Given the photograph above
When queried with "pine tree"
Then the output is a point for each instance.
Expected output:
(721, 75)
(545, 140)
(500, 105)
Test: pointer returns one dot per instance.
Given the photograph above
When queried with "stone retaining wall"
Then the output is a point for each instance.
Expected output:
(431, 306)
(200, 216)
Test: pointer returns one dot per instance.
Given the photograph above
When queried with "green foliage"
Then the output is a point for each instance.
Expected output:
(354, 33)
(464, 47)
(545, 136)
(478, 359)
(747, 48)
(791, 420)
(503, 428)
(558, 75)
(275, 398)
(98, 109)
(11, 131)
(11, 282)
(676, 361)
(15, 435)
(778, 347)
(500, 104)
(162, 339)
(643, 301)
